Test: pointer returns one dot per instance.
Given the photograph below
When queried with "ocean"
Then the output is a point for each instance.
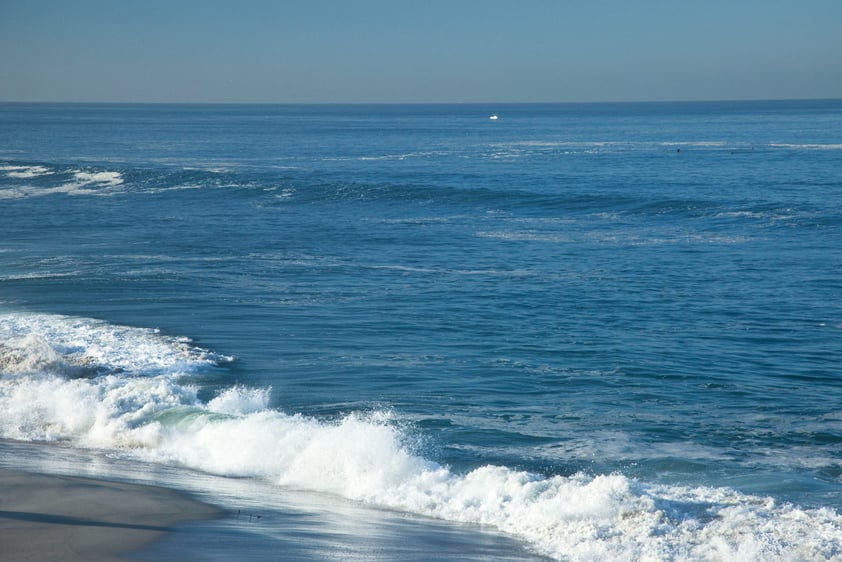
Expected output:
(379, 332)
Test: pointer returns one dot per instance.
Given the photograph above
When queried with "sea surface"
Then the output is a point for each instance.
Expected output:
(581, 332)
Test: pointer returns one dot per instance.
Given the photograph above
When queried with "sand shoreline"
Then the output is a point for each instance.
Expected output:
(70, 518)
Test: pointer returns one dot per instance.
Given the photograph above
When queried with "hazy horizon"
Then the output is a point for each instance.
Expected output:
(399, 52)
(437, 103)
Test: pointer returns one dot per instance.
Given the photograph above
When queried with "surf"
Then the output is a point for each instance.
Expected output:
(137, 393)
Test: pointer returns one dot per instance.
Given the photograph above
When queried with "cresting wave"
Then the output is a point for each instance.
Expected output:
(129, 391)
(25, 172)
(70, 182)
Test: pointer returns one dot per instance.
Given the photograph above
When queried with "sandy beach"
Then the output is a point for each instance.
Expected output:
(45, 517)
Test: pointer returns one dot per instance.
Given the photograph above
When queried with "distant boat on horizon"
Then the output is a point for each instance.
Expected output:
(493, 117)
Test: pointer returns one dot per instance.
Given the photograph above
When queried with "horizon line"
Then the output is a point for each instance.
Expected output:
(400, 103)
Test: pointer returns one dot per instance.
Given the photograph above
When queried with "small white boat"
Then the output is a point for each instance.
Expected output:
(493, 117)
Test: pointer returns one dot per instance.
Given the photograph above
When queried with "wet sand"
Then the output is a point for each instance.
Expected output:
(67, 518)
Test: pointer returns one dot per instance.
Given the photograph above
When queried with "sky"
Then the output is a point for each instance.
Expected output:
(418, 51)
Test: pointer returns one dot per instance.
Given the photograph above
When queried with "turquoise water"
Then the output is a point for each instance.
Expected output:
(608, 331)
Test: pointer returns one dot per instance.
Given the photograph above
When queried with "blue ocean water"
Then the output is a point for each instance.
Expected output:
(607, 331)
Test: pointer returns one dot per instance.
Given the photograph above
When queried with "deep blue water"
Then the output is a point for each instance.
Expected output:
(542, 324)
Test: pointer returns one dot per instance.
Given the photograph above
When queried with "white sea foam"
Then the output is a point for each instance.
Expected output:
(81, 182)
(808, 146)
(241, 400)
(525, 235)
(90, 183)
(138, 404)
(102, 178)
(25, 172)
(445, 271)
(33, 275)
(699, 144)
(87, 341)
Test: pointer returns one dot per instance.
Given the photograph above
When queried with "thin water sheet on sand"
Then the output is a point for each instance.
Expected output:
(70, 518)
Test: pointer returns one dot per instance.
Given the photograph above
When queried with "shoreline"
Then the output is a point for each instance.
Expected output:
(73, 518)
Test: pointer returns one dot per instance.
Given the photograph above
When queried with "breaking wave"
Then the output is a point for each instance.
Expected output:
(133, 392)
(47, 181)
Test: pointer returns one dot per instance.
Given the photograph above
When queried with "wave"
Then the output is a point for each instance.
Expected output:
(102, 178)
(114, 349)
(539, 148)
(19, 181)
(463, 195)
(807, 146)
(133, 392)
(461, 200)
(532, 148)
(25, 172)
(70, 182)
(526, 236)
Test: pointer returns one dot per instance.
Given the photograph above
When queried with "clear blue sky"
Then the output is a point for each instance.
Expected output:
(418, 50)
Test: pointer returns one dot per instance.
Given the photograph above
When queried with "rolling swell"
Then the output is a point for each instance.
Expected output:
(550, 199)
(23, 180)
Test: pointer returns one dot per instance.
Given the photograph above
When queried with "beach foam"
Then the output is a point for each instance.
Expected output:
(132, 392)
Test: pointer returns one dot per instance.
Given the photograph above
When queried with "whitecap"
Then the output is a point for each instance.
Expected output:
(25, 172)
(106, 178)
(82, 182)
